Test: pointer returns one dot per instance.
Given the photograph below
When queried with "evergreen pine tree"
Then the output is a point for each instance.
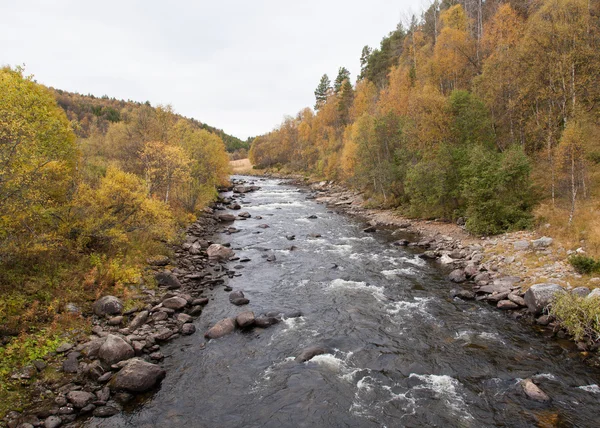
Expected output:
(322, 91)
(343, 74)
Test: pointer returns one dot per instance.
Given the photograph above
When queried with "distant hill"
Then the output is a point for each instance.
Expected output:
(90, 111)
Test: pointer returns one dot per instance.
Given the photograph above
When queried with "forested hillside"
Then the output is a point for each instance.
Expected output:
(91, 114)
(479, 109)
(86, 197)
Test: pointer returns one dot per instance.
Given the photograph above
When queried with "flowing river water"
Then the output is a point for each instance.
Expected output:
(402, 352)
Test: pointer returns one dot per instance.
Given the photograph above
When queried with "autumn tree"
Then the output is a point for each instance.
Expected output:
(37, 158)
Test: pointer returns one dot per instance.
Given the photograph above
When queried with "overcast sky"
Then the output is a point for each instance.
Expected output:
(238, 65)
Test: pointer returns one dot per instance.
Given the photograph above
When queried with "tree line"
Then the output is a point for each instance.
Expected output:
(476, 109)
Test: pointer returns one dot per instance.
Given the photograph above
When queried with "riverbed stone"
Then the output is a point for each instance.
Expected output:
(219, 252)
(539, 296)
(533, 392)
(264, 322)
(108, 305)
(139, 320)
(167, 279)
(581, 291)
(462, 294)
(137, 376)
(115, 349)
(517, 299)
(308, 353)
(188, 329)
(221, 329)
(245, 319)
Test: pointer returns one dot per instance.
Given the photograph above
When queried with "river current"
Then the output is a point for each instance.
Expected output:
(402, 352)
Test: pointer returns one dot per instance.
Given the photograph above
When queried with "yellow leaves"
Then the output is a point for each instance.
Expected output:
(503, 31)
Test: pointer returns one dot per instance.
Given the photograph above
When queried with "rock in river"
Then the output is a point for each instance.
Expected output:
(245, 319)
(309, 353)
(219, 252)
(533, 391)
(237, 298)
(167, 279)
(221, 329)
(137, 376)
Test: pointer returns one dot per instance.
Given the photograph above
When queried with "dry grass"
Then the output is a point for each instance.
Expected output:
(584, 231)
(240, 166)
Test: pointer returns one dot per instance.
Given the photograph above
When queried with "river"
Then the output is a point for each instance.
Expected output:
(403, 353)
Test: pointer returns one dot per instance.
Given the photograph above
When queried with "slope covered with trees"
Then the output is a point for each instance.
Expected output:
(88, 192)
(479, 109)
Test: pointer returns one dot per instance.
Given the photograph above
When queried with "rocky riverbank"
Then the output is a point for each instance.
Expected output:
(101, 373)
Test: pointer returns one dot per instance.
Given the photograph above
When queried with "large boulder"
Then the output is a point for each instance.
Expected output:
(309, 353)
(539, 296)
(137, 376)
(167, 279)
(115, 349)
(108, 305)
(219, 252)
(595, 293)
(226, 218)
(221, 329)
(542, 242)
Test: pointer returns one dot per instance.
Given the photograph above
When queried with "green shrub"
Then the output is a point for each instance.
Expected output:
(584, 264)
(579, 316)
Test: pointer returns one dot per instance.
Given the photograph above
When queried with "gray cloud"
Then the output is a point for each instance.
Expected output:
(237, 65)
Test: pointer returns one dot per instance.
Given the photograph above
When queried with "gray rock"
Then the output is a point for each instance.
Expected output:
(462, 294)
(226, 218)
(108, 305)
(158, 261)
(507, 304)
(457, 275)
(70, 365)
(309, 353)
(184, 318)
(160, 316)
(517, 299)
(496, 297)
(219, 252)
(264, 322)
(471, 271)
(240, 302)
(137, 376)
(175, 303)
(167, 279)
(237, 294)
(533, 391)
(115, 349)
(581, 291)
(244, 214)
(116, 320)
(245, 319)
(139, 320)
(52, 422)
(593, 294)
(105, 411)
(221, 329)
(539, 296)
(543, 320)
(39, 365)
(64, 348)
(103, 394)
(521, 245)
(188, 329)
(542, 242)
(80, 399)
(94, 370)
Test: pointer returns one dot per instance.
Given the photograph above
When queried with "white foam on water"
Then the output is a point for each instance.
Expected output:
(340, 248)
(275, 205)
(368, 401)
(302, 220)
(417, 261)
(398, 272)
(548, 376)
(403, 306)
(302, 283)
(354, 256)
(593, 388)
(469, 335)
(352, 238)
(446, 388)
(341, 284)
